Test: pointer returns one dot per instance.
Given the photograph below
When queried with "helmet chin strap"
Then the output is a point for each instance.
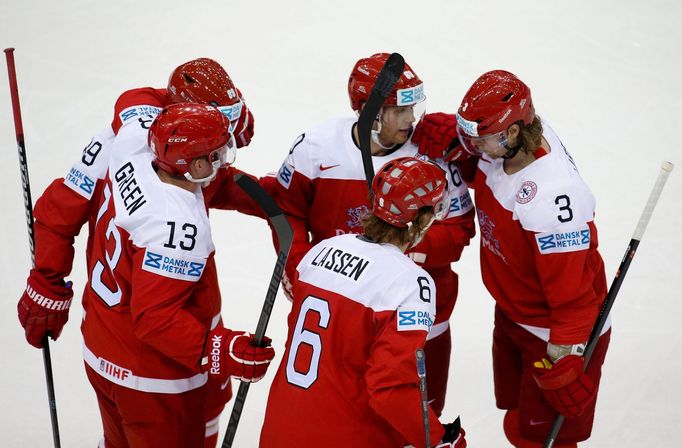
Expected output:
(511, 151)
(204, 181)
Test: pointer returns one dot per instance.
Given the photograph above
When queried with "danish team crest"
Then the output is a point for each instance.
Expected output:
(527, 192)
(356, 214)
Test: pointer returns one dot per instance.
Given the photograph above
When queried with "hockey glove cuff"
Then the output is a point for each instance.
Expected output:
(565, 385)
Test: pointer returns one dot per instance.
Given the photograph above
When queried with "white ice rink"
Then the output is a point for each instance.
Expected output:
(605, 73)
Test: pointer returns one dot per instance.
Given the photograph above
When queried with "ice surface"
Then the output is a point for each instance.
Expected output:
(605, 74)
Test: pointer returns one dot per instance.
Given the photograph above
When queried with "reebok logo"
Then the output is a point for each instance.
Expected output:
(216, 342)
(325, 168)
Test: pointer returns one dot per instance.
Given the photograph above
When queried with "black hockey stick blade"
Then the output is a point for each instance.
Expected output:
(388, 76)
(284, 236)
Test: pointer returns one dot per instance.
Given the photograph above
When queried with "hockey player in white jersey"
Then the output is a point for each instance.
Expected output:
(152, 337)
(68, 203)
(360, 309)
(539, 257)
(322, 189)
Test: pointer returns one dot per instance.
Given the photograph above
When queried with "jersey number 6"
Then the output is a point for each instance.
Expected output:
(309, 338)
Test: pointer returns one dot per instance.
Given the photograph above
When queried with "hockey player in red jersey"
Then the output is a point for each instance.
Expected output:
(152, 298)
(361, 308)
(539, 257)
(70, 202)
(322, 189)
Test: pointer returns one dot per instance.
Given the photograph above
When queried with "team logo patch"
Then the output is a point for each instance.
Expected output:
(412, 319)
(527, 192)
(181, 268)
(138, 111)
(79, 182)
(559, 242)
(356, 214)
(284, 175)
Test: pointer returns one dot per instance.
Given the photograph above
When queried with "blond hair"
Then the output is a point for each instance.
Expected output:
(530, 137)
(380, 231)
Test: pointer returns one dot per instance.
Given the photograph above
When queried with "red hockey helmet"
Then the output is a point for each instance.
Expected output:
(404, 185)
(494, 102)
(409, 89)
(183, 132)
(205, 81)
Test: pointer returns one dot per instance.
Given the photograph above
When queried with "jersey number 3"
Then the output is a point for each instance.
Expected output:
(313, 341)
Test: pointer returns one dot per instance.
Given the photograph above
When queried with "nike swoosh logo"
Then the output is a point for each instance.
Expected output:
(324, 168)
(224, 385)
(537, 422)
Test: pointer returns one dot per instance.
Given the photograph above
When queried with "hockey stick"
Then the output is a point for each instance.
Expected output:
(421, 371)
(666, 168)
(28, 205)
(284, 236)
(388, 76)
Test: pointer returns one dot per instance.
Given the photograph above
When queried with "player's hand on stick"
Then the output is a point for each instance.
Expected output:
(235, 353)
(44, 308)
(565, 385)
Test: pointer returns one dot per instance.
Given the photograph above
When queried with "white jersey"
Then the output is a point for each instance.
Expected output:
(152, 294)
(360, 310)
(539, 257)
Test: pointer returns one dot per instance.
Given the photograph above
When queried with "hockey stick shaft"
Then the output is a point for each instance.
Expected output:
(421, 372)
(666, 168)
(388, 76)
(285, 237)
(28, 206)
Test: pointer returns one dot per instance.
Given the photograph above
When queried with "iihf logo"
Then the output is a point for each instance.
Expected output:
(527, 192)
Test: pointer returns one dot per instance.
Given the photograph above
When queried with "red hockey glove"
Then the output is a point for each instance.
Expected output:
(243, 130)
(565, 385)
(43, 308)
(454, 436)
(233, 353)
(436, 137)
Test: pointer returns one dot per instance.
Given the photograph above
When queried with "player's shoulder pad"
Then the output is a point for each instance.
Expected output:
(92, 165)
(311, 149)
(137, 103)
(458, 190)
(552, 197)
(417, 310)
(171, 224)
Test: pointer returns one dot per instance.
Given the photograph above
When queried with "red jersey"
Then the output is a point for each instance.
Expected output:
(539, 257)
(348, 376)
(152, 294)
(322, 188)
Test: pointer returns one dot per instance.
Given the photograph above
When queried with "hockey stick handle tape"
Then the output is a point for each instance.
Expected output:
(666, 168)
